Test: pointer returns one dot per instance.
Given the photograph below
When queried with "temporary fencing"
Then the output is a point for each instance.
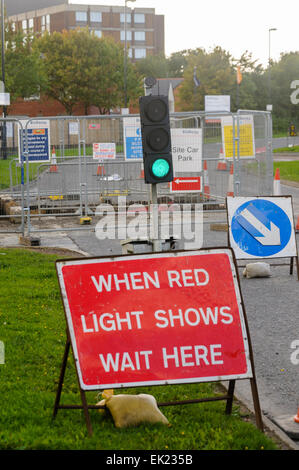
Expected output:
(96, 159)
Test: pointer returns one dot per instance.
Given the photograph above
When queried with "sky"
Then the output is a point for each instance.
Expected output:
(234, 25)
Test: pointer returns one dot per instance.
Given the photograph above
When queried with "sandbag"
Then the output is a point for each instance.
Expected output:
(131, 410)
(257, 270)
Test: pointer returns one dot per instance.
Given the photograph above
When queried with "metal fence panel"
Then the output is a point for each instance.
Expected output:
(73, 183)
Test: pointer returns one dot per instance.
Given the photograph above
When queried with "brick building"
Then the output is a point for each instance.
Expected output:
(145, 35)
(145, 29)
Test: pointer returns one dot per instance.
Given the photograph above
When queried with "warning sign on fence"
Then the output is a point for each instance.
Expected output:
(103, 151)
(242, 129)
(35, 140)
(157, 318)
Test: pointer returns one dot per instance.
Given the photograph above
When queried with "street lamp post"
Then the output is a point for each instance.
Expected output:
(125, 53)
(269, 65)
(3, 78)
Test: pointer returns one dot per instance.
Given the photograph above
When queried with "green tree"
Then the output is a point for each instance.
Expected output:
(153, 66)
(251, 92)
(23, 72)
(84, 69)
(283, 73)
(216, 74)
(158, 66)
(177, 63)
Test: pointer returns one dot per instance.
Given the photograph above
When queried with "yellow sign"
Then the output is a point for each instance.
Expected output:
(55, 198)
(244, 130)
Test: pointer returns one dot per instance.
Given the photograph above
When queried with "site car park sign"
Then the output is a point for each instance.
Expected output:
(154, 319)
(36, 140)
(187, 150)
(261, 227)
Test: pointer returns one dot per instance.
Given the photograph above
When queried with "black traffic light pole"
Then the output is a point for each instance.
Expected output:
(157, 156)
(154, 205)
(148, 84)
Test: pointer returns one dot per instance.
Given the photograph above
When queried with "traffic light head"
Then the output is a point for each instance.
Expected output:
(156, 139)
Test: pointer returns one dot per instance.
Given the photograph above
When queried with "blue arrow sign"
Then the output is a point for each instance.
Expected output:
(261, 228)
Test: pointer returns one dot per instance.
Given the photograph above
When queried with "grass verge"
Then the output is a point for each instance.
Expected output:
(294, 148)
(10, 172)
(288, 170)
(32, 329)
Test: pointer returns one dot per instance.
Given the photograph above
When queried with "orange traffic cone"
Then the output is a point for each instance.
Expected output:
(53, 167)
(297, 225)
(276, 183)
(141, 176)
(296, 418)
(221, 163)
(230, 189)
(206, 188)
(101, 170)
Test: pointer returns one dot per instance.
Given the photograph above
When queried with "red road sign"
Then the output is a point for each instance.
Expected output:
(157, 318)
(186, 184)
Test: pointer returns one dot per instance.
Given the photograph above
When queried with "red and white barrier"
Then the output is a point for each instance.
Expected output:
(53, 167)
(222, 165)
(230, 189)
(206, 188)
(276, 183)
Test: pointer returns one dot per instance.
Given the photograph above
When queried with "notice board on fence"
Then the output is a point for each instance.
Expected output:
(36, 140)
(241, 128)
(154, 319)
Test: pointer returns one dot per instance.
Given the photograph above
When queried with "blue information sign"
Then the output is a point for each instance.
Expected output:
(260, 227)
(37, 142)
(132, 139)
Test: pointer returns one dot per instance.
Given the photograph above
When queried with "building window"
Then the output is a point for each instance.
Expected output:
(98, 33)
(96, 17)
(24, 25)
(122, 17)
(43, 22)
(139, 18)
(13, 26)
(129, 35)
(140, 53)
(130, 53)
(30, 23)
(81, 16)
(139, 35)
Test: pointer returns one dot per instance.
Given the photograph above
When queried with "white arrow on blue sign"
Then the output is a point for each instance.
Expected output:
(261, 227)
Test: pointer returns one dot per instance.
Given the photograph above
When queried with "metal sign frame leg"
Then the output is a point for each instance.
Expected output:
(84, 406)
(230, 393)
(292, 265)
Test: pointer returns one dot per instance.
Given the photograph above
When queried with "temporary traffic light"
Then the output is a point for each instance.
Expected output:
(156, 139)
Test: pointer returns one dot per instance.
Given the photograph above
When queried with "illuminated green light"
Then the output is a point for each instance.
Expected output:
(160, 168)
